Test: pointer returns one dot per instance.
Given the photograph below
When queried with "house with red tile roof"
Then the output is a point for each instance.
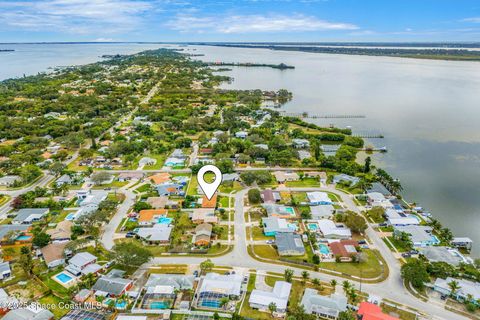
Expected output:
(370, 311)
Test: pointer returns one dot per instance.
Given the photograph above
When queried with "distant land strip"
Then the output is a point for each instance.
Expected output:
(418, 53)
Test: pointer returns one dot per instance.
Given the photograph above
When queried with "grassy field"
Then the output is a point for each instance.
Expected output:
(257, 234)
(305, 182)
(402, 314)
(266, 251)
(53, 301)
(400, 245)
(114, 184)
(226, 187)
(368, 269)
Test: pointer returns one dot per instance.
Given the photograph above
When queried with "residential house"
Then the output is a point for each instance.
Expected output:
(260, 299)
(322, 212)
(160, 178)
(378, 187)
(178, 281)
(376, 199)
(29, 215)
(159, 233)
(111, 286)
(321, 175)
(345, 178)
(31, 312)
(53, 254)
(241, 134)
(5, 271)
(370, 311)
(280, 211)
(8, 181)
(274, 225)
(345, 250)
(150, 216)
(6, 302)
(330, 230)
(12, 230)
(78, 263)
(396, 218)
(283, 176)
(146, 161)
(269, 196)
(289, 244)
(170, 189)
(301, 143)
(77, 314)
(421, 236)
(218, 286)
(157, 202)
(318, 198)
(261, 146)
(127, 176)
(204, 215)
(328, 307)
(467, 290)
(304, 154)
(230, 177)
(82, 295)
(443, 254)
(61, 232)
(64, 179)
(209, 203)
(203, 233)
(89, 200)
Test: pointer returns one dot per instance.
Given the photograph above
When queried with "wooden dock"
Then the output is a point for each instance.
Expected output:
(306, 115)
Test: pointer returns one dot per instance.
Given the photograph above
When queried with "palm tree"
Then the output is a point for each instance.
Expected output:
(272, 307)
(352, 294)
(305, 276)
(316, 282)
(333, 283)
(346, 286)
(454, 286)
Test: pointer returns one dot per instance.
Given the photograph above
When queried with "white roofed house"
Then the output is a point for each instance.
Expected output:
(5, 271)
(462, 242)
(213, 287)
(342, 178)
(10, 180)
(159, 233)
(318, 198)
(283, 176)
(331, 231)
(328, 307)
(376, 199)
(65, 179)
(396, 218)
(301, 143)
(79, 263)
(241, 134)
(260, 299)
(467, 290)
(322, 212)
(29, 215)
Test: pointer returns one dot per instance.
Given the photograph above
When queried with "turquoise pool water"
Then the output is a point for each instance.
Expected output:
(23, 238)
(121, 304)
(313, 226)
(210, 303)
(165, 220)
(159, 305)
(292, 226)
(63, 277)
(323, 248)
(70, 217)
(290, 210)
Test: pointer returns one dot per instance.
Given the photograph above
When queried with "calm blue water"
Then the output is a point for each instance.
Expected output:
(159, 305)
(29, 59)
(23, 238)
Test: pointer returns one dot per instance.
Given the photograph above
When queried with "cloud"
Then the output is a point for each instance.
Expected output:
(73, 16)
(472, 19)
(254, 24)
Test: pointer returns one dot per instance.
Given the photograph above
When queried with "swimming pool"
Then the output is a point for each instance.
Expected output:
(165, 220)
(289, 210)
(292, 226)
(159, 305)
(312, 226)
(323, 248)
(121, 304)
(210, 303)
(70, 217)
(23, 238)
(63, 277)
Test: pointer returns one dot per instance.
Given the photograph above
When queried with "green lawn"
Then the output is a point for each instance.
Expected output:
(266, 251)
(114, 184)
(144, 188)
(227, 187)
(306, 182)
(402, 314)
(53, 301)
(258, 234)
(192, 186)
(299, 197)
(368, 269)
(400, 245)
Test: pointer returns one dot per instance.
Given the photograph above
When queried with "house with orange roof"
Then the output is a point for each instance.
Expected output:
(212, 203)
(370, 311)
(46, 155)
(160, 178)
(148, 217)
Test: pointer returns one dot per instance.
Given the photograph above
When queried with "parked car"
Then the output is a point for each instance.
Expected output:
(270, 241)
(130, 235)
(362, 242)
(195, 273)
